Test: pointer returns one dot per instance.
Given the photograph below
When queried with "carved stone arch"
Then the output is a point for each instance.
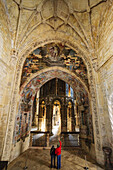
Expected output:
(57, 98)
(56, 74)
(30, 89)
(69, 101)
(52, 103)
(43, 100)
(35, 82)
(14, 102)
(22, 56)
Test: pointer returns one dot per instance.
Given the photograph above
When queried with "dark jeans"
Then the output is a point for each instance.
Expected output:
(58, 161)
(3, 164)
(52, 158)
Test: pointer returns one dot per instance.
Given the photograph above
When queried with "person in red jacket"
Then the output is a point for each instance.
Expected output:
(58, 153)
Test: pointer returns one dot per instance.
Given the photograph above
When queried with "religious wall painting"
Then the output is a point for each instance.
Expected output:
(22, 122)
(54, 55)
(25, 125)
(32, 65)
(22, 126)
(17, 129)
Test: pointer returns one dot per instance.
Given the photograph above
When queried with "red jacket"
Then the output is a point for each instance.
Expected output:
(58, 150)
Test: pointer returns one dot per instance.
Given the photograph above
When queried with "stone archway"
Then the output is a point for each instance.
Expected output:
(41, 40)
(29, 91)
(15, 94)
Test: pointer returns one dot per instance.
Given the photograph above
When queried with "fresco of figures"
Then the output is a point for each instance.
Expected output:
(54, 55)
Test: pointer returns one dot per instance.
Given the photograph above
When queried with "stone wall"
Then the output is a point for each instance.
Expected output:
(20, 147)
(105, 92)
(89, 149)
(87, 28)
(5, 70)
(104, 79)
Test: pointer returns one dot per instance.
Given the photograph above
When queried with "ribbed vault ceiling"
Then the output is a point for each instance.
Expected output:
(82, 20)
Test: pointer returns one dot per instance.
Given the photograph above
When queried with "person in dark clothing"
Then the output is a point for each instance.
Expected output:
(58, 153)
(52, 153)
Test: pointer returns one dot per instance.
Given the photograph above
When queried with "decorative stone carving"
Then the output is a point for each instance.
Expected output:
(13, 58)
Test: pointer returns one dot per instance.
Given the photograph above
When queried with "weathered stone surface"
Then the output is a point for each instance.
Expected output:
(85, 27)
(40, 159)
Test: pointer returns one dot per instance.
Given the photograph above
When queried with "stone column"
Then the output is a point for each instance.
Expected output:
(37, 110)
(64, 119)
(47, 138)
(31, 136)
(76, 117)
(51, 111)
(73, 119)
(48, 118)
(10, 102)
(39, 118)
(100, 118)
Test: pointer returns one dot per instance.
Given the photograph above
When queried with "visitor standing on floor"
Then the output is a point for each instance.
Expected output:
(52, 153)
(58, 153)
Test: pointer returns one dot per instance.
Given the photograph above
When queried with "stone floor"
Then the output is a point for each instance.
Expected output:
(39, 159)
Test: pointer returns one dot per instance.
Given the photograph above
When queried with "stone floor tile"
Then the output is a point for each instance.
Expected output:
(40, 160)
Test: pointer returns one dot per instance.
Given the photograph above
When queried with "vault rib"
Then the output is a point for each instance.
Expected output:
(18, 24)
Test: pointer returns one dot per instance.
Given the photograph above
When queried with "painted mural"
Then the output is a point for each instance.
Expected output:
(24, 116)
(54, 55)
(43, 57)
